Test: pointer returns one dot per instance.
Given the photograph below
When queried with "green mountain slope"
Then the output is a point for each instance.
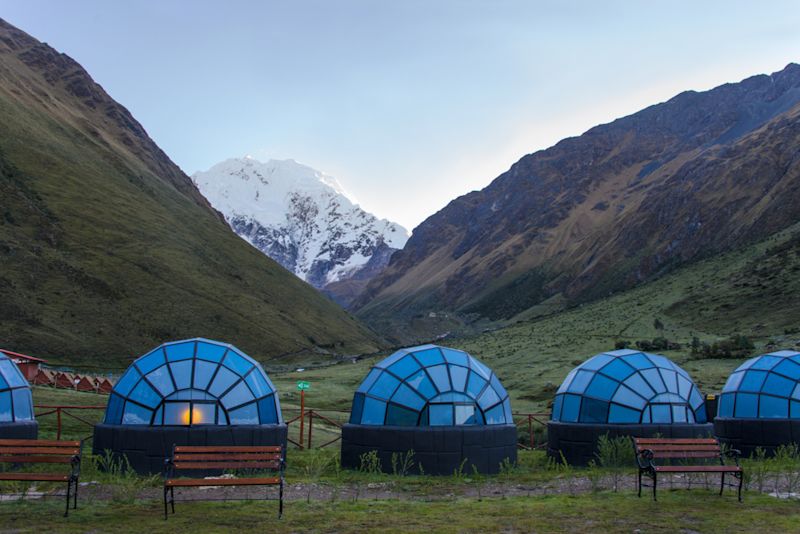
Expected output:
(107, 248)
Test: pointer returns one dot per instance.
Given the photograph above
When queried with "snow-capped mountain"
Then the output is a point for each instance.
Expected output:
(304, 220)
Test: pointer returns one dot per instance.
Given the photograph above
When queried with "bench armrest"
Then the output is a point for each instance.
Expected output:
(169, 468)
(734, 454)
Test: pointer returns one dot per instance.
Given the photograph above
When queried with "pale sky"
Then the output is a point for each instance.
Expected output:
(409, 104)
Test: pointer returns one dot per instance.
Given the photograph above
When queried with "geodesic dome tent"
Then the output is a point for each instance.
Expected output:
(16, 403)
(760, 403)
(195, 391)
(442, 403)
(623, 392)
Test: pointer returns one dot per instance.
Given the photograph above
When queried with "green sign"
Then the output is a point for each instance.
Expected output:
(302, 385)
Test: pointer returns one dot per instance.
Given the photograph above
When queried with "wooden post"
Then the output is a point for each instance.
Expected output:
(530, 430)
(310, 426)
(58, 416)
(302, 414)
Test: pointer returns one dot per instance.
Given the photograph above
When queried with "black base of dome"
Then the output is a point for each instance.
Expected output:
(749, 434)
(19, 430)
(146, 447)
(438, 450)
(578, 441)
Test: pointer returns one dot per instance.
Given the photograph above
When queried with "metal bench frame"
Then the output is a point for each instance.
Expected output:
(649, 449)
(222, 457)
(34, 451)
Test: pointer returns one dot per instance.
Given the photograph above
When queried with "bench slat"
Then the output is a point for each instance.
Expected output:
(666, 448)
(38, 443)
(223, 482)
(34, 477)
(217, 457)
(687, 454)
(227, 465)
(698, 468)
(30, 459)
(676, 441)
(38, 450)
(227, 449)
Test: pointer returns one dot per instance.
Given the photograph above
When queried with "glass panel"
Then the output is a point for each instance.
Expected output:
(768, 407)
(581, 380)
(374, 412)
(150, 361)
(429, 357)
(124, 385)
(246, 415)
(699, 415)
(3, 383)
(408, 397)
(383, 364)
(788, 368)
(422, 384)
(661, 361)
(752, 381)
(404, 367)
(384, 386)
(567, 381)
(640, 386)
(203, 371)
(747, 364)
(113, 410)
(617, 369)
(161, 380)
(238, 395)
(158, 419)
(601, 387)
(455, 357)
(180, 351)
(778, 385)
(204, 414)
(267, 412)
(507, 411)
(440, 377)
(12, 373)
(725, 408)
(258, 385)
(620, 414)
(465, 415)
(209, 351)
(459, 377)
(593, 411)
(679, 414)
(639, 361)
(441, 414)
(182, 373)
(399, 416)
(146, 395)
(488, 398)
(766, 362)
(746, 405)
(498, 387)
(796, 393)
(555, 414)
(222, 381)
(670, 379)
(628, 398)
(495, 416)
(358, 406)
(23, 405)
(733, 381)
(480, 368)
(795, 410)
(176, 413)
(136, 415)
(646, 415)
(452, 396)
(653, 378)
(5, 407)
(695, 399)
(596, 362)
(660, 413)
(684, 387)
(237, 362)
(572, 406)
(475, 384)
(372, 376)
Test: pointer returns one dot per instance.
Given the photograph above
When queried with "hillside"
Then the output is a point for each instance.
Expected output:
(106, 246)
(303, 219)
(700, 174)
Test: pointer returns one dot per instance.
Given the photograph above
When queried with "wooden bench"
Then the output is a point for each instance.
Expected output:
(225, 458)
(19, 452)
(648, 450)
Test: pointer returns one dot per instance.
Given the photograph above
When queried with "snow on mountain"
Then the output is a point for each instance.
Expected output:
(302, 218)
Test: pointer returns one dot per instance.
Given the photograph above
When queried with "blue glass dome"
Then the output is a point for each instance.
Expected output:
(763, 387)
(194, 382)
(430, 386)
(16, 403)
(627, 386)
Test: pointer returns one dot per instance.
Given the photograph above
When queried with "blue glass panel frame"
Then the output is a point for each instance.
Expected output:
(488, 398)
(571, 410)
(182, 373)
(176, 413)
(114, 409)
(778, 385)
(127, 381)
(210, 351)
(374, 412)
(408, 397)
(150, 361)
(465, 414)
(601, 387)
(580, 381)
(627, 397)
(621, 414)
(244, 415)
(773, 407)
(618, 370)
(224, 379)
(475, 384)
(428, 357)
(203, 371)
(404, 367)
(555, 412)
(660, 413)
(495, 416)
(746, 405)
(143, 393)
(458, 375)
(258, 385)
(180, 351)
(440, 414)
(237, 363)
(752, 381)
(422, 384)
(640, 386)
(238, 395)
(456, 357)
(358, 406)
(593, 411)
(23, 404)
(133, 414)
(400, 416)
(6, 414)
(788, 368)
(267, 411)
(384, 386)
(372, 376)
(440, 377)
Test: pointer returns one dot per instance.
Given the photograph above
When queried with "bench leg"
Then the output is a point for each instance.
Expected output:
(75, 497)
(639, 485)
(172, 498)
(280, 500)
(741, 480)
(165, 502)
(722, 483)
(655, 483)
(69, 488)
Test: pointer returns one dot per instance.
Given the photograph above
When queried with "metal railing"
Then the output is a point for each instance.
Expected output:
(61, 410)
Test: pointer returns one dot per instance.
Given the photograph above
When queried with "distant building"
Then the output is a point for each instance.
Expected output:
(28, 365)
